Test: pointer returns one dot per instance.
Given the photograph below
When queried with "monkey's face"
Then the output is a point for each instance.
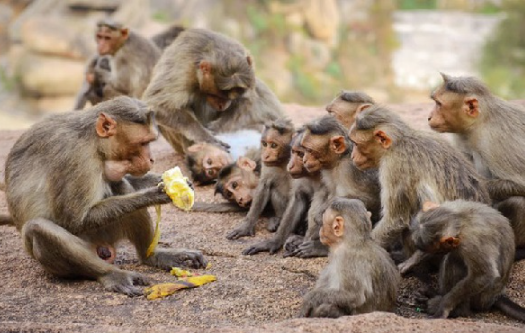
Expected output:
(209, 160)
(317, 153)
(343, 111)
(450, 113)
(295, 166)
(274, 147)
(237, 190)
(367, 150)
(332, 230)
(134, 147)
(109, 40)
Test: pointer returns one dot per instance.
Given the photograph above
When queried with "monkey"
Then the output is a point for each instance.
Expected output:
(347, 104)
(481, 125)
(131, 61)
(477, 242)
(327, 149)
(414, 167)
(238, 181)
(303, 189)
(91, 189)
(360, 276)
(275, 182)
(204, 83)
(164, 38)
(205, 160)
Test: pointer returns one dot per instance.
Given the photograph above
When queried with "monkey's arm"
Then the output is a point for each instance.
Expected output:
(260, 200)
(81, 99)
(222, 207)
(112, 208)
(414, 260)
(289, 222)
(501, 189)
(186, 123)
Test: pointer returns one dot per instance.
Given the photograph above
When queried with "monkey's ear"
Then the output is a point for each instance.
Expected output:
(196, 147)
(249, 60)
(383, 139)
(337, 144)
(205, 67)
(246, 163)
(471, 107)
(106, 126)
(429, 205)
(449, 242)
(338, 226)
(445, 77)
(369, 214)
(124, 32)
(362, 107)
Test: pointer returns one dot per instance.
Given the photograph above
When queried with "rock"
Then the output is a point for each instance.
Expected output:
(50, 76)
(52, 36)
(322, 19)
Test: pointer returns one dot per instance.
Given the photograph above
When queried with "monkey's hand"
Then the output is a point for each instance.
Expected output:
(157, 195)
(311, 249)
(271, 245)
(291, 245)
(245, 229)
(219, 143)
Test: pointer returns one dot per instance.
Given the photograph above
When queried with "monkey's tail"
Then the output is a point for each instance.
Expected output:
(216, 208)
(511, 309)
(6, 220)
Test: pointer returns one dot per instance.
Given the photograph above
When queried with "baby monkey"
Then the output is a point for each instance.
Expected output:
(479, 245)
(360, 276)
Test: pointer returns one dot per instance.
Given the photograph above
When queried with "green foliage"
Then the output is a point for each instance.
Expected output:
(503, 62)
(162, 17)
(416, 4)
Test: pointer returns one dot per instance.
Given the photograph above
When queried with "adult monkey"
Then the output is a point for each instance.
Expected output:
(203, 83)
(413, 167)
(131, 60)
(482, 124)
(91, 189)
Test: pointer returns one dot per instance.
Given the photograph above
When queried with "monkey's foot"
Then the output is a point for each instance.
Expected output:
(270, 245)
(168, 258)
(244, 230)
(291, 245)
(311, 249)
(124, 282)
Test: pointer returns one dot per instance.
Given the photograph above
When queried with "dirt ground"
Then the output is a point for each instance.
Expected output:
(260, 293)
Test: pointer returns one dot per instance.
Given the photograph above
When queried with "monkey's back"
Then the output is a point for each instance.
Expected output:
(45, 164)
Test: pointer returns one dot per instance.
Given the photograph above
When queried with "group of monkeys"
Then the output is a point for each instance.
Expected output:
(358, 185)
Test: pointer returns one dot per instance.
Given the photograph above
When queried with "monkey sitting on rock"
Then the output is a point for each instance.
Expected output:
(360, 276)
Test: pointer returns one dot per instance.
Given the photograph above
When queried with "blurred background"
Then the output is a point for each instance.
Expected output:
(305, 50)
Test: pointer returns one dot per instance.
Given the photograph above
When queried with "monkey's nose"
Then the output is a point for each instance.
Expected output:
(152, 160)
(429, 118)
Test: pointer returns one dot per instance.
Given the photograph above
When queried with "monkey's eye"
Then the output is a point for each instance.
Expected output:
(273, 145)
(264, 144)
(210, 172)
(229, 194)
(438, 104)
(209, 161)
(234, 185)
(300, 154)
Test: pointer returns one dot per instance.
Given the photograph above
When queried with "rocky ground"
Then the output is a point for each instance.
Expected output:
(259, 293)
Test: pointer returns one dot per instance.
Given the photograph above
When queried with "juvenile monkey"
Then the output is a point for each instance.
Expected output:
(90, 190)
(205, 160)
(327, 149)
(414, 167)
(360, 276)
(482, 124)
(237, 182)
(479, 252)
(205, 83)
(275, 182)
(131, 61)
(304, 186)
(347, 104)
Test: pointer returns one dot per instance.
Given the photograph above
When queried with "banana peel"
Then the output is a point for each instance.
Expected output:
(165, 289)
(178, 188)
